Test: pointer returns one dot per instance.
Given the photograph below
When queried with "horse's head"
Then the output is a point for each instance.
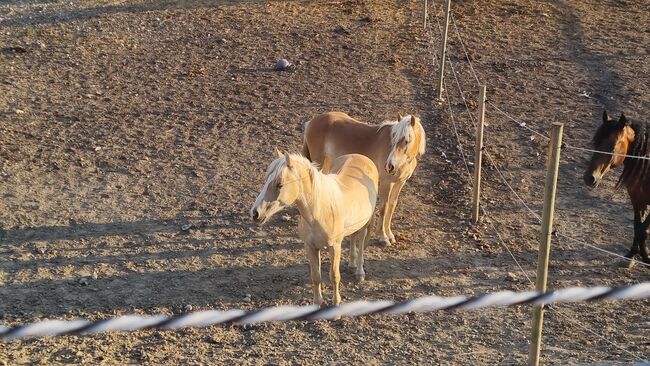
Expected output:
(408, 142)
(281, 188)
(613, 136)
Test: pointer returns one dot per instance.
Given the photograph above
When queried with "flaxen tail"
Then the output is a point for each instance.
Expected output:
(305, 148)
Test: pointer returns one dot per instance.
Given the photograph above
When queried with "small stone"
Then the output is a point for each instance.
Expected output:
(94, 276)
(19, 111)
(282, 65)
(511, 276)
(186, 227)
(83, 282)
(97, 148)
(286, 217)
(188, 308)
(247, 298)
(40, 44)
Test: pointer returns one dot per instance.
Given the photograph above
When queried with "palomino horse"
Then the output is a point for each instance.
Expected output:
(393, 146)
(331, 207)
(632, 138)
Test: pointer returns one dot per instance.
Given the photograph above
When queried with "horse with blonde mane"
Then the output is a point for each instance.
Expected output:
(393, 146)
(332, 206)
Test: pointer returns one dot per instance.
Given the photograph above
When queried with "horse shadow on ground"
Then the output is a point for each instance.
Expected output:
(226, 287)
(76, 231)
(266, 285)
(605, 81)
(57, 16)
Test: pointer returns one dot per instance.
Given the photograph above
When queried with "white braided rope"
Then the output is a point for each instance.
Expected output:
(312, 312)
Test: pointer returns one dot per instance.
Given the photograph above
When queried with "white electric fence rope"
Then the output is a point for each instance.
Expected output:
(313, 312)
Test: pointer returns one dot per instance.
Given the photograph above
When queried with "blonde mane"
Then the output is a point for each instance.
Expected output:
(402, 129)
(325, 188)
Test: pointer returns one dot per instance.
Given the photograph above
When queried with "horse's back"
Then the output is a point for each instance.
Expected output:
(333, 134)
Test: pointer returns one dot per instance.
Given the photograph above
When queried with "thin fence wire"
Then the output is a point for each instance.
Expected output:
(523, 125)
(598, 335)
(485, 212)
(569, 146)
(520, 124)
(505, 181)
(581, 242)
(451, 112)
(460, 39)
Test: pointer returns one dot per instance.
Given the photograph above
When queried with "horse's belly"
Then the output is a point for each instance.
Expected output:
(357, 218)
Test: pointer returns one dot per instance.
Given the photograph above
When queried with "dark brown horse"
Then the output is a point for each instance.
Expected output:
(625, 137)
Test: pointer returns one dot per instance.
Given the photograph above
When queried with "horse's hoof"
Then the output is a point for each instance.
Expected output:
(361, 277)
(630, 264)
(384, 242)
(392, 240)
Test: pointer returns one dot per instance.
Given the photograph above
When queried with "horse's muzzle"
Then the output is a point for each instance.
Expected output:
(389, 168)
(591, 180)
(255, 215)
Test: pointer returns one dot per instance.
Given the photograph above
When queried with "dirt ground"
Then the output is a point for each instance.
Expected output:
(123, 121)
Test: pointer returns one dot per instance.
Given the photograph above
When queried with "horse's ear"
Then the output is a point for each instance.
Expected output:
(287, 157)
(399, 117)
(623, 121)
(605, 116)
(278, 153)
(412, 121)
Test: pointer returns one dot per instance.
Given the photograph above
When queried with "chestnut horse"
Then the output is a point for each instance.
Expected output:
(393, 146)
(620, 138)
(331, 207)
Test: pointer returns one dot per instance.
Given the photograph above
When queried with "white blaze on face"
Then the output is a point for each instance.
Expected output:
(260, 205)
(260, 198)
(402, 131)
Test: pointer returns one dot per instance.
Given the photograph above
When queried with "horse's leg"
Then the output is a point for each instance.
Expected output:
(639, 231)
(313, 254)
(642, 245)
(335, 275)
(352, 262)
(384, 194)
(392, 203)
(361, 273)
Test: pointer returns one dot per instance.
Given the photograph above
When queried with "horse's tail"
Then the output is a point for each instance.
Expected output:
(305, 147)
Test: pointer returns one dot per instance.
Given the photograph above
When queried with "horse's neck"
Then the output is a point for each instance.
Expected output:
(313, 207)
(385, 141)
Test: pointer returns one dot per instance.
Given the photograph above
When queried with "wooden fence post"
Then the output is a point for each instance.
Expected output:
(478, 156)
(426, 13)
(545, 241)
(444, 50)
